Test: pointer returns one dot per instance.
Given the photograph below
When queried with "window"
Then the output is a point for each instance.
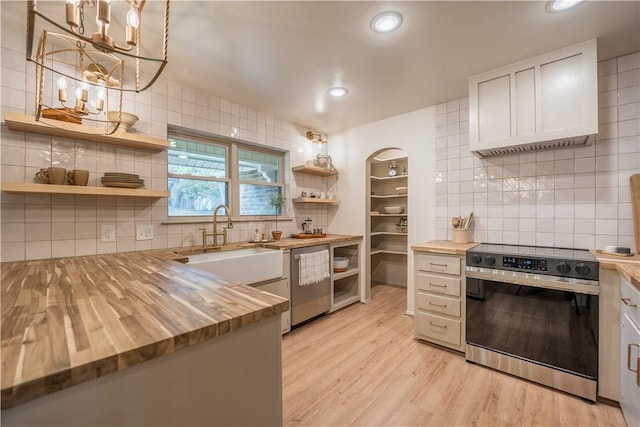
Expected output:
(259, 180)
(204, 172)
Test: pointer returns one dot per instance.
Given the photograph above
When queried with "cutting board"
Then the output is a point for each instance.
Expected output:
(307, 236)
(635, 201)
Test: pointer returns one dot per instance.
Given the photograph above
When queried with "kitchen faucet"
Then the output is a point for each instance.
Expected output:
(215, 233)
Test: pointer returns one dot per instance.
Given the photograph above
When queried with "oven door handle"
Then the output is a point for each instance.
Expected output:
(589, 287)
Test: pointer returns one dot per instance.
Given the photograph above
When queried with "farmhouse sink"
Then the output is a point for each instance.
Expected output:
(244, 266)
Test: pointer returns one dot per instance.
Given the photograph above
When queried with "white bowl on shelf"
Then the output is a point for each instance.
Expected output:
(393, 209)
(127, 119)
(401, 190)
(340, 264)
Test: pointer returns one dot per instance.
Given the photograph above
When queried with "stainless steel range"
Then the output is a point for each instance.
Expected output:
(533, 312)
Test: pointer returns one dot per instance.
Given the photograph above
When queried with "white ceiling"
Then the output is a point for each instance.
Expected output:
(280, 57)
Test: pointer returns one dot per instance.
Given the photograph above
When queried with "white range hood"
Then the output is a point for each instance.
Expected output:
(543, 103)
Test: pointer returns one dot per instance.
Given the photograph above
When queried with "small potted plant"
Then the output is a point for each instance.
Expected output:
(276, 202)
(401, 225)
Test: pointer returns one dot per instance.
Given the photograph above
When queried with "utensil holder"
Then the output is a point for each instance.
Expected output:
(461, 235)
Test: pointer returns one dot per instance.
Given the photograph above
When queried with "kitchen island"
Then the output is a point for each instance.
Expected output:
(75, 331)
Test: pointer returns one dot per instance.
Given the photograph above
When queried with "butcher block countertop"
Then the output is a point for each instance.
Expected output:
(292, 243)
(629, 267)
(444, 247)
(69, 320)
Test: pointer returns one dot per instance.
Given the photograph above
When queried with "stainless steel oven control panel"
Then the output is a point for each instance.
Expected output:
(533, 264)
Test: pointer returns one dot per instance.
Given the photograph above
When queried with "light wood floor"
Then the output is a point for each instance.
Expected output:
(361, 366)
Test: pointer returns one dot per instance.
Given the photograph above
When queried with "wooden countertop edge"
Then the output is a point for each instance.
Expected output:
(629, 267)
(444, 247)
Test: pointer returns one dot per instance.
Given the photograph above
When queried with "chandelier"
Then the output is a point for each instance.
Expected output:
(82, 77)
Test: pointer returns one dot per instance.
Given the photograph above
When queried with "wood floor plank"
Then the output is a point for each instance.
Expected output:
(360, 366)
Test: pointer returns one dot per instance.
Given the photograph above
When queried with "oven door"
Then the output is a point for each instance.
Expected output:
(555, 327)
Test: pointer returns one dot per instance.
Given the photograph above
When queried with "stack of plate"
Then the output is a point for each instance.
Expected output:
(122, 180)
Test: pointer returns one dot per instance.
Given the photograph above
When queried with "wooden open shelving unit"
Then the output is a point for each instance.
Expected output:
(22, 123)
(313, 170)
(18, 187)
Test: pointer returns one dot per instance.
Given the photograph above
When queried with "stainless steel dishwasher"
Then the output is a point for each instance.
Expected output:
(311, 300)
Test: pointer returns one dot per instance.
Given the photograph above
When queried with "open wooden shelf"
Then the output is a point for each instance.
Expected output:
(313, 170)
(388, 178)
(22, 123)
(316, 200)
(351, 271)
(388, 233)
(378, 252)
(18, 187)
(390, 196)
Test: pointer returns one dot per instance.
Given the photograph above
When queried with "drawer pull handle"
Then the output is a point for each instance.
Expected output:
(439, 265)
(627, 302)
(629, 358)
(638, 372)
(438, 305)
(438, 326)
(437, 285)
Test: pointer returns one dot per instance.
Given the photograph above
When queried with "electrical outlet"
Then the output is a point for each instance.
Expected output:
(144, 232)
(107, 233)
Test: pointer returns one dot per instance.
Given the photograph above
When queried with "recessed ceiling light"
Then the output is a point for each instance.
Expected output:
(337, 91)
(386, 22)
(561, 5)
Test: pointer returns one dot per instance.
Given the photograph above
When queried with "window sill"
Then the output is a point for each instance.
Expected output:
(222, 219)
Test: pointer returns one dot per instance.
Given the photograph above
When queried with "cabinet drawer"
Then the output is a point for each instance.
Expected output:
(630, 301)
(439, 284)
(438, 264)
(432, 327)
(437, 304)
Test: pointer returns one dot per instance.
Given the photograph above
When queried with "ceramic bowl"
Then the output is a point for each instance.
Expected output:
(401, 190)
(128, 119)
(340, 264)
(393, 209)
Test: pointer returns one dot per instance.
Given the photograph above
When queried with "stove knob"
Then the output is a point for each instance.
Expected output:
(583, 269)
(564, 267)
(489, 260)
(476, 259)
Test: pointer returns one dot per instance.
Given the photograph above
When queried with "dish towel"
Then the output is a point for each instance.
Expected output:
(314, 268)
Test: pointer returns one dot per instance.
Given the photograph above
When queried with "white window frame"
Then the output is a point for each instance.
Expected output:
(232, 173)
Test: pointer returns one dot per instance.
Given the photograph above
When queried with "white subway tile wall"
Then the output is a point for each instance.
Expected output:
(44, 226)
(575, 198)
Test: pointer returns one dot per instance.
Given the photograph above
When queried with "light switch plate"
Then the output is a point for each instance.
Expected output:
(144, 232)
(107, 233)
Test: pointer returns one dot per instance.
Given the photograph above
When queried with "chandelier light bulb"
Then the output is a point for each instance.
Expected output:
(101, 94)
(83, 90)
(79, 102)
(62, 83)
(101, 91)
(62, 89)
(133, 20)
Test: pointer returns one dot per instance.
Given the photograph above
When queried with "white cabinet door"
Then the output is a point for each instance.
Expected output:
(629, 377)
(494, 109)
(562, 94)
